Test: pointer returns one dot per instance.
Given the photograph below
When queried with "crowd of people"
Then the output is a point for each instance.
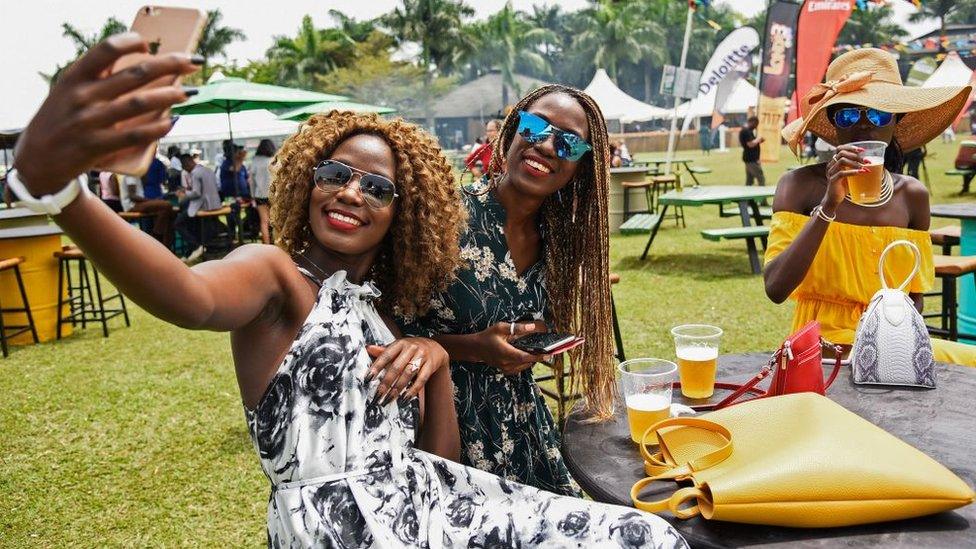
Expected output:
(373, 343)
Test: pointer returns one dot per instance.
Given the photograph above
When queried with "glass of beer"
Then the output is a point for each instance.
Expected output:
(647, 384)
(865, 188)
(696, 346)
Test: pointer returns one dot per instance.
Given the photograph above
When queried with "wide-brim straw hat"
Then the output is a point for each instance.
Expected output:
(869, 77)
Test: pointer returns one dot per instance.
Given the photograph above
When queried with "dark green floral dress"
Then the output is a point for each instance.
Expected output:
(506, 426)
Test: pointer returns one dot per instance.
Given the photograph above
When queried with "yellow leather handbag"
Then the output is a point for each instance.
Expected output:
(794, 460)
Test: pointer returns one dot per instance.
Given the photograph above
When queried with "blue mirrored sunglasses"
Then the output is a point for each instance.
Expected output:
(535, 129)
(847, 117)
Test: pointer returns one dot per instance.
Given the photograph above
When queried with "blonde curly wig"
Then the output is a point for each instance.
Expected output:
(420, 253)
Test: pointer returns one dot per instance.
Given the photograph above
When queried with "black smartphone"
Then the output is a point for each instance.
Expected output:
(544, 343)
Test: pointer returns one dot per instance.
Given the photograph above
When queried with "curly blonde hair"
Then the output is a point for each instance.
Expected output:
(420, 253)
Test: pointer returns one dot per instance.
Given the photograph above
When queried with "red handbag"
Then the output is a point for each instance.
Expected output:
(796, 367)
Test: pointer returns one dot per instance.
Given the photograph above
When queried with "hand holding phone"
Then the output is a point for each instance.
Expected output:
(546, 343)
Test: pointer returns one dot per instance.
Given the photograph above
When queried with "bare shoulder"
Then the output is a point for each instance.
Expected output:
(259, 260)
(914, 189)
(798, 190)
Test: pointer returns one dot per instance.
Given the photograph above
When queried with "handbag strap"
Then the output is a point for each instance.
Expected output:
(915, 267)
(837, 364)
(744, 388)
(738, 389)
(657, 464)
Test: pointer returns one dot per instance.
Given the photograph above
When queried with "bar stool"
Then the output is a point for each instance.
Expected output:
(947, 237)
(949, 268)
(661, 184)
(559, 394)
(10, 331)
(84, 307)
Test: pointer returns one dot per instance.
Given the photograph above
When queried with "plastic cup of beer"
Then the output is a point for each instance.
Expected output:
(647, 385)
(696, 346)
(865, 188)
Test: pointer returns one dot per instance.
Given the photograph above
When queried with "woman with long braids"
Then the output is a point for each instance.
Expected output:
(824, 247)
(537, 253)
(354, 426)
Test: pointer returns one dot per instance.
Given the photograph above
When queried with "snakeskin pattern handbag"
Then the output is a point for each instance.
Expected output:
(891, 344)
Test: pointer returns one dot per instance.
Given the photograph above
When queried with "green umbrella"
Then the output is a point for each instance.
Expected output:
(229, 95)
(302, 113)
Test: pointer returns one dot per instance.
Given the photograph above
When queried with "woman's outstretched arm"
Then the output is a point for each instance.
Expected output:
(74, 130)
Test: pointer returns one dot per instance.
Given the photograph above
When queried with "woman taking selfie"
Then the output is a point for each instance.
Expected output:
(536, 248)
(825, 238)
(351, 423)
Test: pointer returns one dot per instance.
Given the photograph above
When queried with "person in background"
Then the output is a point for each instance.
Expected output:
(750, 151)
(260, 181)
(913, 159)
(135, 197)
(108, 184)
(705, 137)
(174, 174)
(948, 135)
(483, 152)
(233, 185)
(154, 179)
(625, 159)
(201, 194)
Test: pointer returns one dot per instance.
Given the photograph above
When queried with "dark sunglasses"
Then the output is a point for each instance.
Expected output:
(848, 116)
(535, 129)
(331, 176)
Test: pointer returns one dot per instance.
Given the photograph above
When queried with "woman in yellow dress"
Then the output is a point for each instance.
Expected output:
(824, 248)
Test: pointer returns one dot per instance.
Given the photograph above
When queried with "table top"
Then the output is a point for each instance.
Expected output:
(675, 160)
(940, 422)
(716, 194)
(630, 169)
(18, 213)
(954, 211)
(27, 232)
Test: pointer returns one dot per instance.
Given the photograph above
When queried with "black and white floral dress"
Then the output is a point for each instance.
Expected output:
(345, 473)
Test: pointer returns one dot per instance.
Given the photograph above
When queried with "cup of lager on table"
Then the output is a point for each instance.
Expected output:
(696, 346)
(865, 188)
(647, 385)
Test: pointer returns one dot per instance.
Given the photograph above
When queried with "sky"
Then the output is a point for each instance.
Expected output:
(31, 41)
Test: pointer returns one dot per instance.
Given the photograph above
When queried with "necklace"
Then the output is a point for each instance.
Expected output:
(887, 190)
(317, 268)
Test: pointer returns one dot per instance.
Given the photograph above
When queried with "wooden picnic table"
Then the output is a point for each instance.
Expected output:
(606, 462)
(966, 213)
(11, 218)
(747, 198)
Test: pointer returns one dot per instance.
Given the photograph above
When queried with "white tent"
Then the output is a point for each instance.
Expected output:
(617, 105)
(952, 72)
(213, 127)
(743, 97)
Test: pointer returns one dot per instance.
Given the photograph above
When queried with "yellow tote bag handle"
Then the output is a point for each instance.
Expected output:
(662, 466)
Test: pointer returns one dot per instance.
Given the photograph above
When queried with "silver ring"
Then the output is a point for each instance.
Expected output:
(414, 364)
(511, 329)
(835, 158)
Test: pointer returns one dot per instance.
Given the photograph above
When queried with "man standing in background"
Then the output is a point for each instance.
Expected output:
(750, 151)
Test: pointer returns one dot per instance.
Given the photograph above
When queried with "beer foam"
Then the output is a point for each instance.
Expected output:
(873, 160)
(696, 353)
(648, 402)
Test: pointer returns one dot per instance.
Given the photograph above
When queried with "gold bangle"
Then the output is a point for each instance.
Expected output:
(822, 215)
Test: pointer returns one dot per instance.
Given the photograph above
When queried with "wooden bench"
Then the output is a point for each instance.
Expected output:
(949, 268)
(639, 223)
(749, 234)
(765, 212)
(947, 237)
(967, 176)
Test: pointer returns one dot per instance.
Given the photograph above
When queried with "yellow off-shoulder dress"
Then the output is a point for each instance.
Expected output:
(844, 276)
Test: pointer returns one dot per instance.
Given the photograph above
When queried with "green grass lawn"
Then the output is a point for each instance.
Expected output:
(139, 439)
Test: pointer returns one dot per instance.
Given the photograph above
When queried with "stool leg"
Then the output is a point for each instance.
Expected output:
(61, 263)
(618, 339)
(27, 309)
(954, 307)
(3, 338)
(125, 311)
(101, 303)
(85, 288)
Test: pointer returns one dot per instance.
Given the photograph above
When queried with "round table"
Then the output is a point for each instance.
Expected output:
(11, 218)
(966, 312)
(940, 422)
(36, 244)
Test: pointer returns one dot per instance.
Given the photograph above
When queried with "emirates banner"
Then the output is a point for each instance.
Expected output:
(779, 49)
(819, 24)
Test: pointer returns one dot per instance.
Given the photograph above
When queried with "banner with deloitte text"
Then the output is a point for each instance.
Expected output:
(779, 43)
(816, 32)
(724, 68)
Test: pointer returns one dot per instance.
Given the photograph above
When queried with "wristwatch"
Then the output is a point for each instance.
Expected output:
(50, 204)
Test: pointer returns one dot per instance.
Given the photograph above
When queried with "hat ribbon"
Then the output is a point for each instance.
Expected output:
(823, 92)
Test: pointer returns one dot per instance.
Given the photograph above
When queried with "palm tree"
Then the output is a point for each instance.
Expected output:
(356, 31)
(508, 41)
(83, 42)
(618, 32)
(437, 27)
(215, 39)
(942, 10)
(312, 52)
(871, 26)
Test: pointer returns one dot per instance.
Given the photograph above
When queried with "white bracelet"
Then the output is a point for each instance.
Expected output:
(50, 204)
(820, 213)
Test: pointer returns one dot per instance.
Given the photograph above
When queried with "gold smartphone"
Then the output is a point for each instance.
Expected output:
(167, 30)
